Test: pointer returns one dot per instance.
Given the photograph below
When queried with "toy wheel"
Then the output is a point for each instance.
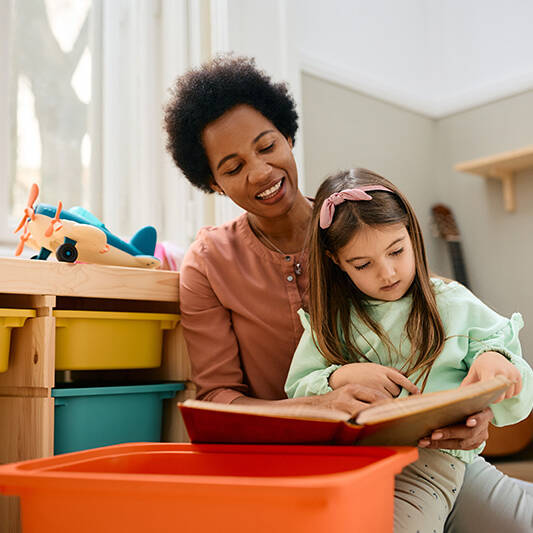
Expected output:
(67, 253)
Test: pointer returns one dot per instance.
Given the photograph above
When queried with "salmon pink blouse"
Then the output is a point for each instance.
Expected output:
(239, 303)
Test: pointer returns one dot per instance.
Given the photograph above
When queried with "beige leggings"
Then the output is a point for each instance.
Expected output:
(425, 491)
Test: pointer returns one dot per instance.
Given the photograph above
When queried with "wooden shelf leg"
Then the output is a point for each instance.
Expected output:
(508, 191)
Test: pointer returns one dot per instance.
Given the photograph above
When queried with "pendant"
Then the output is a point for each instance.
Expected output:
(297, 269)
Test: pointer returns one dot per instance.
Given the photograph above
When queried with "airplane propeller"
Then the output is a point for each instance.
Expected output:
(54, 221)
(23, 238)
(28, 210)
(29, 214)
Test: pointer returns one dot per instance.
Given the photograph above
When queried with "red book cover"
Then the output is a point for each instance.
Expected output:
(397, 422)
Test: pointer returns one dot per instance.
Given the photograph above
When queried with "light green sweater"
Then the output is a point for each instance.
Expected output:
(471, 328)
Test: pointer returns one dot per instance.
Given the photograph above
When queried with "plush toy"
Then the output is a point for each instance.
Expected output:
(77, 235)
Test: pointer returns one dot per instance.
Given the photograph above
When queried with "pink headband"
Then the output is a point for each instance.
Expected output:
(328, 207)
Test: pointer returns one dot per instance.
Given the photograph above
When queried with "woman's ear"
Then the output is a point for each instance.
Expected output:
(290, 141)
(216, 187)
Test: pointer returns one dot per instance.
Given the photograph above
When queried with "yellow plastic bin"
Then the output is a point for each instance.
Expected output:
(98, 340)
(10, 318)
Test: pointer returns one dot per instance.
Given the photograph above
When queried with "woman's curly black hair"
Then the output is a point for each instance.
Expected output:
(204, 94)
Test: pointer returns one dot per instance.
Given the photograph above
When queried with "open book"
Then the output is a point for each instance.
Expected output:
(395, 422)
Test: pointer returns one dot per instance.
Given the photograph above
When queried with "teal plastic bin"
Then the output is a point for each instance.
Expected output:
(91, 417)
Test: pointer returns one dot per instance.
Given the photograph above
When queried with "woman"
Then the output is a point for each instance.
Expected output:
(231, 131)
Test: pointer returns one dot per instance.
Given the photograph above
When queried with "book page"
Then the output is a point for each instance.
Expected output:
(402, 407)
(282, 411)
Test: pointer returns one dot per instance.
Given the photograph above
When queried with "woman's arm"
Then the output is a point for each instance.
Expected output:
(211, 342)
(214, 349)
(350, 399)
(308, 380)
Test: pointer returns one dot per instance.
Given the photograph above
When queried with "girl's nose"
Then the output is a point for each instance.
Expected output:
(387, 272)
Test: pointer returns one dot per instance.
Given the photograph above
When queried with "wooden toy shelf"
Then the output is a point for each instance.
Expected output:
(504, 167)
(26, 402)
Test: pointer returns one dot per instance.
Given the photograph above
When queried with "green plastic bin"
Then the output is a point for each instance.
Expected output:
(91, 417)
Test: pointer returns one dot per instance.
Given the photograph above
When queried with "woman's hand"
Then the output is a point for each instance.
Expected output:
(382, 379)
(490, 364)
(350, 399)
(467, 436)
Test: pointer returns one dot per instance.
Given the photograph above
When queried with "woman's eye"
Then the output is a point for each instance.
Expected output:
(360, 267)
(234, 170)
(397, 252)
(267, 148)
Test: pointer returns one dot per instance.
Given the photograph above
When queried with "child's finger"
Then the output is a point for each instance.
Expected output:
(392, 388)
(402, 381)
(471, 377)
(501, 397)
(513, 390)
(518, 384)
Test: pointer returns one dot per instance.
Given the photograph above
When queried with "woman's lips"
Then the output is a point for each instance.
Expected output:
(276, 195)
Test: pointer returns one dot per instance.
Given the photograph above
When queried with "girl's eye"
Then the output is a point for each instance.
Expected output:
(397, 252)
(234, 170)
(267, 148)
(360, 267)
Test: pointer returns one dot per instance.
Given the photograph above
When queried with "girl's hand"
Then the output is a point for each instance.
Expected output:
(382, 379)
(490, 364)
(467, 436)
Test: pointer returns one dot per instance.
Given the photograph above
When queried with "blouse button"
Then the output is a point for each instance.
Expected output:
(287, 258)
(289, 278)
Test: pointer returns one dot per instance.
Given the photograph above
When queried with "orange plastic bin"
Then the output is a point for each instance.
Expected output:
(208, 488)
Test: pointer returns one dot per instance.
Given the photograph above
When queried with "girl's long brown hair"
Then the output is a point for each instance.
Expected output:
(333, 295)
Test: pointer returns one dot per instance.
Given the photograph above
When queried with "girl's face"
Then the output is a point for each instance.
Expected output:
(251, 162)
(380, 261)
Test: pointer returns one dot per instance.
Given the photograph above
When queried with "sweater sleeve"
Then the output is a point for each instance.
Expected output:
(502, 337)
(476, 328)
(309, 371)
(211, 341)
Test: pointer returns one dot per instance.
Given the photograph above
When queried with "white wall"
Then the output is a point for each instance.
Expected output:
(498, 246)
(378, 47)
(434, 57)
(485, 48)
(345, 129)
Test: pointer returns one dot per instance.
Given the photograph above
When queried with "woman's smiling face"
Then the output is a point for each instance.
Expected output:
(251, 162)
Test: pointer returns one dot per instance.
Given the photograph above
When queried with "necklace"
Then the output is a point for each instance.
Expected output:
(297, 265)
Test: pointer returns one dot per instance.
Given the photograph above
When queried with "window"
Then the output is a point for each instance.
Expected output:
(85, 82)
(49, 97)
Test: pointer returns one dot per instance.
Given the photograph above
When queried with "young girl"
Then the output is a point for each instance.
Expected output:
(376, 316)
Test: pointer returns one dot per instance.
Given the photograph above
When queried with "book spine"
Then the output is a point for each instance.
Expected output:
(347, 434)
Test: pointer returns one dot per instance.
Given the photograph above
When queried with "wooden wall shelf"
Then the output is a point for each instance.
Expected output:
(504, 167)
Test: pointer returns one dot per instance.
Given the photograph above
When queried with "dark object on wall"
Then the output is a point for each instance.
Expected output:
(448, 230)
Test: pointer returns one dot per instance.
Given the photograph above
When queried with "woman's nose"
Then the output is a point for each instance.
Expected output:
(260, 171)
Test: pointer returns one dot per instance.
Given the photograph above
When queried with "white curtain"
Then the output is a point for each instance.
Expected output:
(5, 131)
